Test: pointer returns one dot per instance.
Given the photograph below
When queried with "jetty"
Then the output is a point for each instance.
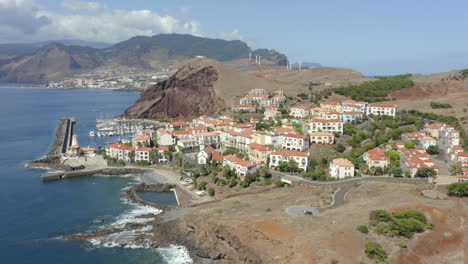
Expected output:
(63, 137)
(68, 174)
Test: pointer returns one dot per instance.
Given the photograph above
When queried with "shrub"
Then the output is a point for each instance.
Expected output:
(375, 251)
(211, 192)
(426, 172)
(340, 148)
(363, 229)
(279, 184)
(458, 189)
(232, 183)
(433, 150)
(410, 144)
(267, 182)
(437, 105)
(202, 186)
(379, 215)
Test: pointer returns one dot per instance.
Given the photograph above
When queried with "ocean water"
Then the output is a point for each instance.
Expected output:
(31, 211)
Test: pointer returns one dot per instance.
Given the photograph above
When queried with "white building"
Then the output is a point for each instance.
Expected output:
(119, 151)
(381, 109)
(326, 138)
(302, 158)
(300, 111)
(204, 156)
(207, 138)
(271, 114)
(295, 142)
(341, 168)
(242, 168)
(326, 125)
(427, 141)
(143, 154)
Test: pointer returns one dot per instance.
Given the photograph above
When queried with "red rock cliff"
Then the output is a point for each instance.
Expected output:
(189, 92)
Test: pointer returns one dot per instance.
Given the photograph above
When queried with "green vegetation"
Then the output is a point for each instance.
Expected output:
(318, 175)
(410, 144)
(459, 189)
(376, 91)
(211, 192)
(433, 150)
(456, 168)
(375, 252)
(399, 223)
(143, 163)
(363, 229)
(451, 120)
(279, 184)
(437, 105)
(397, 172)
(426, 172)
(263, 126)
(202, 186)
(394, 158)
(231, 151)
(340, 148)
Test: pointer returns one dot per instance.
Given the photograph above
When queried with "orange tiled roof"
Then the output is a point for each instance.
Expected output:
(317, 120)
(296, 136)
(239, 161)
(259, 147)
(343, 162)
(291, 153)
(320, 133)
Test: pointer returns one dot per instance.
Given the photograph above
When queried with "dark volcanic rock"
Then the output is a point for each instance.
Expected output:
(189, 92)
(272, 56)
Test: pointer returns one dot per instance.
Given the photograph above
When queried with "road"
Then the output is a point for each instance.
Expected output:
(339, 197)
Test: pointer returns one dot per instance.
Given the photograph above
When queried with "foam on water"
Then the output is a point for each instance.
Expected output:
(132, 215)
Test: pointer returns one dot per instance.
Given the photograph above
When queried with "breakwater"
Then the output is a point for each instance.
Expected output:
(63, 137)
(80, 173)
(132, 193)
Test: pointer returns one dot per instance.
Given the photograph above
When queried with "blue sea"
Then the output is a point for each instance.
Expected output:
(32, 211)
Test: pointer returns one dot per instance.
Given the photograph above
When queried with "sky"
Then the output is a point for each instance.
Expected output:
(375, 37)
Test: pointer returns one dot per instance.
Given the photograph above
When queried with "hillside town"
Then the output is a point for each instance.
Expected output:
(292, 141)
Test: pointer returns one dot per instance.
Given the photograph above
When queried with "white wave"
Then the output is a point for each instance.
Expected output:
(176, 255)
(131, 215)
(125, 239)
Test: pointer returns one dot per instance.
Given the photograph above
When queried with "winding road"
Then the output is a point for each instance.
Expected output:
(339, 197)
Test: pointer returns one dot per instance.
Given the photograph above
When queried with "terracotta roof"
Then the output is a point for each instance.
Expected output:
(141, 137)
(144, 149)
(272, 112)
(163, 148)
(319, 133)
(382, 105)
(435, 125)
(319, 109)
(291, 153)
(208, 149)
(206, 134)
(148, 131)
(343, 162)
(120, 146)
(317, 120)
(462, 154)
(271, 106)
(179, 123)
(296, 136)
(352, 113)
(285, 130)
(239, 161)
(198, 128)
(260, 147)
(88, 149)
(244, 133)
(217, 156)
(299, 107)
(181, 132)
(74, 147)
(378, 157)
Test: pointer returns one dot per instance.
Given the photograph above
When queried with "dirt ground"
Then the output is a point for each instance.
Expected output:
(259, 222)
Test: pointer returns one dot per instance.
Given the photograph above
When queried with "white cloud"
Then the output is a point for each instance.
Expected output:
(27, 21)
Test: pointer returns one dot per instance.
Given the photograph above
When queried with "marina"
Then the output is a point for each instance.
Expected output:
(123, 126)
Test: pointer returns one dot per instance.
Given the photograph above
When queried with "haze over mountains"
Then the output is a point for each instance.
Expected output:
(42, 62)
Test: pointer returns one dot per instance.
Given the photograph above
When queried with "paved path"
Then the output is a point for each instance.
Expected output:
(340, 195)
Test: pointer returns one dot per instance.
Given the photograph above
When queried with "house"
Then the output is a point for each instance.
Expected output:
(207, 138)
(413, 136)
(351, 116)
(295, 142)
(332, 106)
(141, 141)
(381, 109)
(341, 168)
(258, 153)
(271, 107)
(217, 157)
(333, 115)
(376, 158)
(326, 125)
(279, 99)
(88, 151)
(351, 105)
(433, 129)
(301, 158)
(149, 132)
(165, 138)
(463, 177)
(143, 154)
(182, 134)
(119, 151)
(318, 112)
(271, 114)
(197, 129)
(162, 157)
(413, 163)
(242, 168)
(427, 141)
(258, 92)
(177, 125)
(237, 138)
(188, 145)
(244, 108)
(204, 156)
(299, 111)
(318, 137)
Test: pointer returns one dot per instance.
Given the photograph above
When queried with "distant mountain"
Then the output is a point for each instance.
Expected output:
(55, 61)
(16, 49)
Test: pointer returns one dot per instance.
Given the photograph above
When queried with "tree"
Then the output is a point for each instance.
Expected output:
(397, 172)
(426, 172)
(394, 158)
(375, 251)
(362, 228)
(410, 144)
(456, 168)
(171, 148)
(292, 164)
(349, 129)
(131, 155)
(283, 166)
(433, 150)
(340, 148)
(458, 189)
(153, 155)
